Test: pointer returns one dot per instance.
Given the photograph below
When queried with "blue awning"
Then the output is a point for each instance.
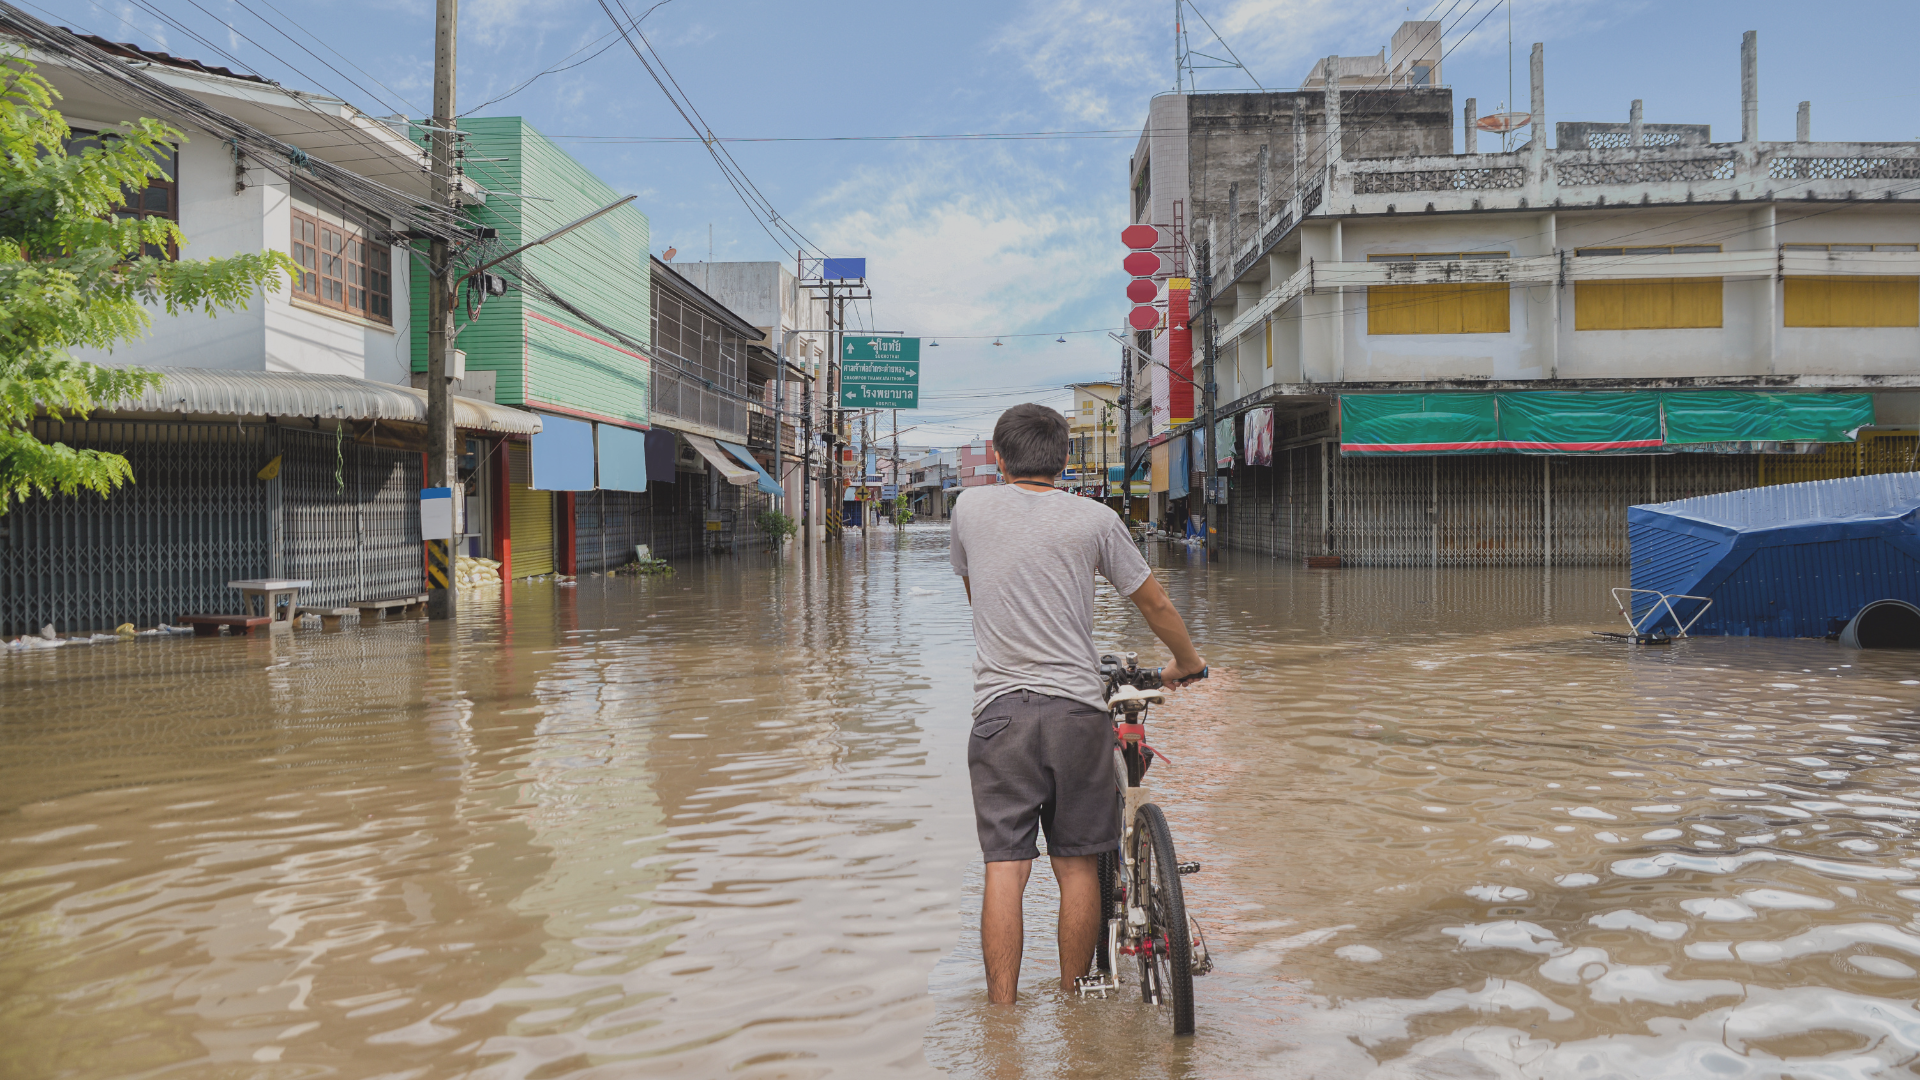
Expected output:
(767, 483)
(562, 455)
(623, 458)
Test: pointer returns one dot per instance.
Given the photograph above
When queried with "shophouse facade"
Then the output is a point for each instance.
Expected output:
(1484, 358)
(793, 323)
(283, 440)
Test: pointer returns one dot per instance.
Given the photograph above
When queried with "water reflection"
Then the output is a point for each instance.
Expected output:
(717, 824)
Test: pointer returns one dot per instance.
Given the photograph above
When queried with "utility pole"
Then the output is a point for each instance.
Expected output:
(1126, 433)
(866, 454)
(443, 597)
(1106, 428)
(836, 500)
(834, 415)
(1209, 388)
(806, 414)
(896, 468)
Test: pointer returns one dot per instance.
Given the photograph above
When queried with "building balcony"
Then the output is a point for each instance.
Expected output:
(1623, 178)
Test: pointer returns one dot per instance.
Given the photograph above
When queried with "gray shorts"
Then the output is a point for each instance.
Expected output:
(1043, 762)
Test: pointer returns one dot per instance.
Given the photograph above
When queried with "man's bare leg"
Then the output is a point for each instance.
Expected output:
(1079, 929)
(1002, 931)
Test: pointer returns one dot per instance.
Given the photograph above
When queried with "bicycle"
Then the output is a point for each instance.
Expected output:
(1141, 900)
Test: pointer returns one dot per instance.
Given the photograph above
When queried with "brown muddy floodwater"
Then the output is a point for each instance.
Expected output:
(716, 825)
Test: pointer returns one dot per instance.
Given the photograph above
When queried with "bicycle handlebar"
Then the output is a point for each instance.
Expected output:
(1127, 672)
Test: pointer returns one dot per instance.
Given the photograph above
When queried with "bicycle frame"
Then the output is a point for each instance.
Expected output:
(1130, 928)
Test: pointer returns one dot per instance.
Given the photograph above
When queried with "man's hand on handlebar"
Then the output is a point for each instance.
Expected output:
(1176, 674)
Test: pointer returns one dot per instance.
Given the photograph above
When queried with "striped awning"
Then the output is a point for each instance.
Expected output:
(219, 392)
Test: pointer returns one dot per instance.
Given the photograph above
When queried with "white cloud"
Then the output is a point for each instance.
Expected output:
(980, 247)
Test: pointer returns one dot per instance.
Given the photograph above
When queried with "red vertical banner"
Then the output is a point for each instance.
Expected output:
(1179, 351)
(500, 501)
(565, 553)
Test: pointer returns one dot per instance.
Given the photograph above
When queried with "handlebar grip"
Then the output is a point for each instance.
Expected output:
(1159, 678)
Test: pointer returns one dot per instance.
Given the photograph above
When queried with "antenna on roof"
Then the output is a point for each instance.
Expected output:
(1184, 56)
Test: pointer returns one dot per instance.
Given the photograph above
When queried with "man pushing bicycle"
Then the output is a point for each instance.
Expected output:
(1041, 751)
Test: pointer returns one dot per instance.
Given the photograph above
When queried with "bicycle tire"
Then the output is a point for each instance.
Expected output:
(1166, 973)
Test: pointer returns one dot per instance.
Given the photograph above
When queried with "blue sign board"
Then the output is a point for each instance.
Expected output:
(889, 491)
(844, 270)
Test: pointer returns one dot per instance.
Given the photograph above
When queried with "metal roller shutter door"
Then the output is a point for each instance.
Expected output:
(532, 516)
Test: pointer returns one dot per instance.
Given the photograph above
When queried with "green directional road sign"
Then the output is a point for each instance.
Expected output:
(879, 372)
(871, 347)
(879, 384)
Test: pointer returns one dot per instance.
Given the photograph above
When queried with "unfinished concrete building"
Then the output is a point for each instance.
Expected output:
(1215, 168)
(1425, 357)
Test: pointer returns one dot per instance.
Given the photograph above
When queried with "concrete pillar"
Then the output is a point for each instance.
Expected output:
(1750, 86)
(1635, 136)
(1537, 79)
(1266, 189)
(1214, 262)
(1803, 124)
(1299, 150)
(1333, 109)
(1470, 124)
(1233, 226)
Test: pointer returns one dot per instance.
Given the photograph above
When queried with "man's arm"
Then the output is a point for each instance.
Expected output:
(1167, 625)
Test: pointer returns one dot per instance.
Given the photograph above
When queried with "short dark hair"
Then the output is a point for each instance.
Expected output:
(1032, 440)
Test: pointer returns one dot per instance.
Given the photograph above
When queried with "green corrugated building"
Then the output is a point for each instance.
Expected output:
(543, 356)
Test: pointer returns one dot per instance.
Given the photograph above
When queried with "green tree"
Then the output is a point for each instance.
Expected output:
(73, 275)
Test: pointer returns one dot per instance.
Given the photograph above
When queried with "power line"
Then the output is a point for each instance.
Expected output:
(120, 81)
(727, 166)
(772, 214)
(563, 65)
(397, 96)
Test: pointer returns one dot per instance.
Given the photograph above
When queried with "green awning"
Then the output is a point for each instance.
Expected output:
(1573, 422)
(1714, 416)
(1418, 424)
(1581, 422)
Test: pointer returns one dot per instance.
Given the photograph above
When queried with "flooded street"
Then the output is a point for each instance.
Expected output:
(717, 824)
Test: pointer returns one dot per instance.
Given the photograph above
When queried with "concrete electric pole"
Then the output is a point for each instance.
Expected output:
(443, 600)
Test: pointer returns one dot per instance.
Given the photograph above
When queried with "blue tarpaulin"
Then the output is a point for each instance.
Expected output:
(1791, 560)
(1178, 466)
(562, 455)
(767, 483)
(623, 458)
(660, 455)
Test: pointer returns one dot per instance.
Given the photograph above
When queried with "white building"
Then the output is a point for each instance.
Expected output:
(351, 315)
(1625, 259)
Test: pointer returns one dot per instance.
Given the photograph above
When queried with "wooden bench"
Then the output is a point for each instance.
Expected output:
(330, 617)
(375, 609)
(211, 625)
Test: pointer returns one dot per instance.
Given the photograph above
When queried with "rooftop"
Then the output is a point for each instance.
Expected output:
(127, 51)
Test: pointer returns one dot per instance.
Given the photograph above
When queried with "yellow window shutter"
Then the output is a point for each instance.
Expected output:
(1852, 300)
(1649, 304)
(1487, 310)
(1469, 308)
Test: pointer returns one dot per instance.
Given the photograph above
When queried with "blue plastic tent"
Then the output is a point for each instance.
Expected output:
(1792, 560)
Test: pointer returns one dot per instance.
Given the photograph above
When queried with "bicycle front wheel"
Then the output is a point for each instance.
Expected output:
(1166, 954)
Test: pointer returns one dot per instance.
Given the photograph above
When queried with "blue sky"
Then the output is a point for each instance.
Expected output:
(968, 239)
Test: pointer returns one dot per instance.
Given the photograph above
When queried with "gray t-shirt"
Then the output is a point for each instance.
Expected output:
(1029, 557)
